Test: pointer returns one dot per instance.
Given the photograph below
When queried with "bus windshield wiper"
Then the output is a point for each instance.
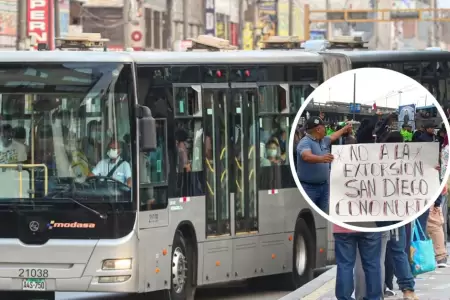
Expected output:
(101, 216)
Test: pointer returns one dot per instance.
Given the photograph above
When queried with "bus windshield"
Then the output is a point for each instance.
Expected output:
(65, 132)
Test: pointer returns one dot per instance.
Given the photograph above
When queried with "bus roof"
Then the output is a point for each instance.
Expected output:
(235, 57)
(392, 56)
(63, 56)
(425, 107)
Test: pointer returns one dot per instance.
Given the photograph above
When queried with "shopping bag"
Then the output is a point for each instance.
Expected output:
(422, 258)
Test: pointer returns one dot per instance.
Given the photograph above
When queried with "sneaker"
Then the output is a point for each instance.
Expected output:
(442, 264)
(408, 295)
(389, 293)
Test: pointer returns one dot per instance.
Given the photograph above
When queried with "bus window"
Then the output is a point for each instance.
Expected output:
(188, 140)
(298, 95)
(155, 91)
(153, 178)
(273, 135)
(412, 69)
(53, 104)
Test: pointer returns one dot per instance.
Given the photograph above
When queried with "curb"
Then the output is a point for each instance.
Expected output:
(318, 286)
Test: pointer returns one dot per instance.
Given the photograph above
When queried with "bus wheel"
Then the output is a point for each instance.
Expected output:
(182, 269)
(303, 258)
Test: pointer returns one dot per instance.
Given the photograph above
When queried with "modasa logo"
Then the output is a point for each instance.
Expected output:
(75, 225)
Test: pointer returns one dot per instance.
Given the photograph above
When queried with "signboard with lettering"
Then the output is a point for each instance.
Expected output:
(382, 182)
(210, 17)
(39, 20)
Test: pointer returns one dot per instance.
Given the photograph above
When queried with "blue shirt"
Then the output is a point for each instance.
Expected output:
(308, 172)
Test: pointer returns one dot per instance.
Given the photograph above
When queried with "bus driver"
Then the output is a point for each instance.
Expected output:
(114, 166)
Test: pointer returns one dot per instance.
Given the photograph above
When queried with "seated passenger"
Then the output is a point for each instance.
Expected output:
(114, 166)
(11, 151)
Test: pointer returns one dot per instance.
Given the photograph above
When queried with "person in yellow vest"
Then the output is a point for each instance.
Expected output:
(406, 132)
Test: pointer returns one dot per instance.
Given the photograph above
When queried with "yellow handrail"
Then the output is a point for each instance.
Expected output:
(28, 166)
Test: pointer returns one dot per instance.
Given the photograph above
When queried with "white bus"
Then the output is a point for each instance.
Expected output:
(208, 201)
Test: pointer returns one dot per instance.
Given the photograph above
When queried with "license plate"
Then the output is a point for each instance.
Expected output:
(33, 284)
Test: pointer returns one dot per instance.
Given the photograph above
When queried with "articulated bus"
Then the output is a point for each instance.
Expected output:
(430, 68)
(201, 193)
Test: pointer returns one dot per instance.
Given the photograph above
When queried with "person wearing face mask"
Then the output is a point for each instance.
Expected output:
(11, 151)
(114, 166)
(314, 159)
(272, 155)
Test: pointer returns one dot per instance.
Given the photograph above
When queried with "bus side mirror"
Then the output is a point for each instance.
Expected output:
(147, 129)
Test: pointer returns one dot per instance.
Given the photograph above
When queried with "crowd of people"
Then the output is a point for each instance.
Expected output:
(367, 261)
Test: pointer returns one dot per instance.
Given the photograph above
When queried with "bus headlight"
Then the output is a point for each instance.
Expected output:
(117, 264)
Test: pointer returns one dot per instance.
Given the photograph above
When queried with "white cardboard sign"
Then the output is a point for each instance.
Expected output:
(382, 182)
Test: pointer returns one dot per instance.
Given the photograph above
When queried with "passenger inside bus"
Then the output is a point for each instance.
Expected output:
(11, 151)
(20, 135)
(272, 154)
(114, 166)
(183, 162)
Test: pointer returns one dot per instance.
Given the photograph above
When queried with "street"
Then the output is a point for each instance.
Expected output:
(233, 292)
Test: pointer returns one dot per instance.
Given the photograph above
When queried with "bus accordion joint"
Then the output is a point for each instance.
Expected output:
(347, 42)
(282, 42)
(210, 43)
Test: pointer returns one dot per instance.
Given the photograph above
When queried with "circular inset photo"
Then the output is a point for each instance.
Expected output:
(367, 150)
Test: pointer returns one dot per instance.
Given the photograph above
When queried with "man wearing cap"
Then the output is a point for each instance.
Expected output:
(314, 158)
(427, 134)
(114, 166)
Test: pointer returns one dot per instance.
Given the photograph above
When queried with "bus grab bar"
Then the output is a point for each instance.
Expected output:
(19, 168)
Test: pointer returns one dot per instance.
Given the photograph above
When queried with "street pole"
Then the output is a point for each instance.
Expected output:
(354, 95)
(126, 26)
(329, 24)
(291, 9)
(185, 19)
(57, 20)
(22, 24)
(168, 24)
(241, 24)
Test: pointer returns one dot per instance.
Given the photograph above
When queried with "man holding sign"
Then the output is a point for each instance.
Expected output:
(382, 182)
(314, 158)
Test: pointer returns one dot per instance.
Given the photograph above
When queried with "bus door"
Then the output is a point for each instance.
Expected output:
(243, 180)
(217, 139)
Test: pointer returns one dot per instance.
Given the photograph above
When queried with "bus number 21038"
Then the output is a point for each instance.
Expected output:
(33, 273)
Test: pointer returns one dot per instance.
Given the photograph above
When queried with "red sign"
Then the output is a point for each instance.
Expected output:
(234, 34)
(136, 36)
(39, 20)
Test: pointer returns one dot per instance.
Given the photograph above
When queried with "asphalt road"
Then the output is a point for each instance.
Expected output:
(236, 292)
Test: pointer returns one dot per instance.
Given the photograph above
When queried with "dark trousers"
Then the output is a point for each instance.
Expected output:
(397, 262)
(319, 194)
(369, 245)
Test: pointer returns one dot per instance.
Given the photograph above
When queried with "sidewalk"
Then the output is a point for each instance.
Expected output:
(430, 286)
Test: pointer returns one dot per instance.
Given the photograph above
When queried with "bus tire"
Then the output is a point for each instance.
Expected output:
(182, 268)
(303, 257)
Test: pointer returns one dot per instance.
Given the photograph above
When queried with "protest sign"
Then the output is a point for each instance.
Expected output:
(382, 182)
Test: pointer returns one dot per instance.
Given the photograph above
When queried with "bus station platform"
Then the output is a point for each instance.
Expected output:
(430, 286)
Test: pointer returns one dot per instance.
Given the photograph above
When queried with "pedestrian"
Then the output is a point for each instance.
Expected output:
(444, 162)
(406, 132)
(313, 161)
(427, 134)
(346, 244)
(396, 259)
(418, 133)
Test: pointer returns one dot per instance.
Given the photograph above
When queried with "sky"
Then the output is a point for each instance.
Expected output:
(378, 86)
